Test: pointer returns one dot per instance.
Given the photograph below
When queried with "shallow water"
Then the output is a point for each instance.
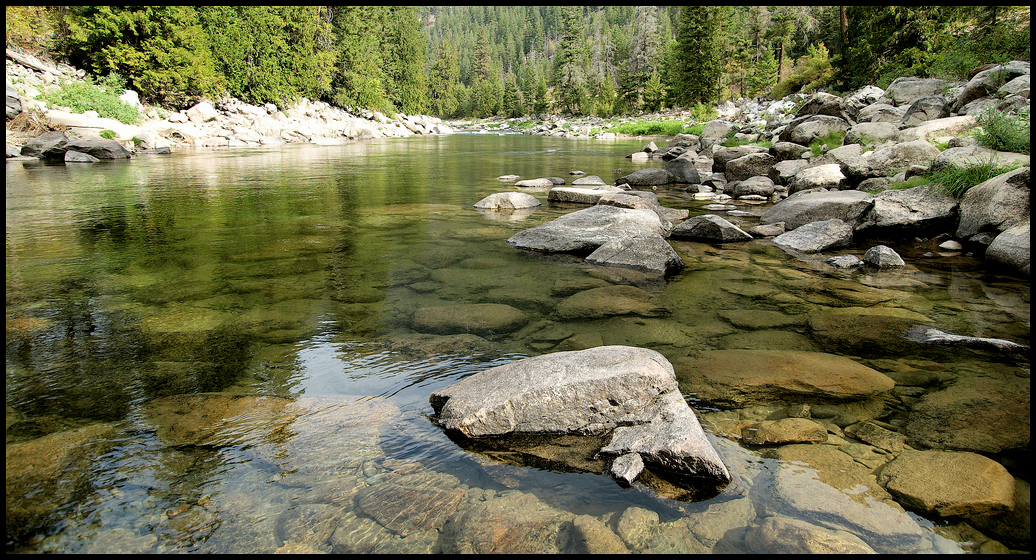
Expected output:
(278, 287)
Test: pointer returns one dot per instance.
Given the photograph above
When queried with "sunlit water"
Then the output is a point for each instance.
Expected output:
(212, 352)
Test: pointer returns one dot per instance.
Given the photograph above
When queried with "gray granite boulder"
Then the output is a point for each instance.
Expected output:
(99, 148)
(46, 141)
(883, 256)
(926, 109)
(994, 205)
(750, 165)
(13, 102)
(783, 171)
(709, 227)
(924, 209)
(651, 253)
(882, 112)
(630, 391)
(647, 177)
(715, 132)
(988, 81)
(587, 181)
(587, 229)
(854, 102)
(540, 183)
(757, 185)
(816, 237)
(826, 176)
(969, 156)
(813, 127)
(724, 155)
(888, 160)
(1011, 248)
(581, 195)
(906, 90)
(812, 206)
(870, 132)
(684, 170)
(784, 151)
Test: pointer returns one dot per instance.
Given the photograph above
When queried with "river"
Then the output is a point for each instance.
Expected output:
(212, 351)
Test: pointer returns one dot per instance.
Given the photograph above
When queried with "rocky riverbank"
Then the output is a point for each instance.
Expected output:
(226, 123)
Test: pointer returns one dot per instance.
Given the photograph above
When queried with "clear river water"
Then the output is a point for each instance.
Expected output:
(213, 351)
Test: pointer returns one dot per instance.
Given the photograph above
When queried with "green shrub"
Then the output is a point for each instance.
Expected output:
(1003, 132)
(814, 72)
(703, 113)
(695, 129)
(957, 180)
(108, 134)
(103, 98)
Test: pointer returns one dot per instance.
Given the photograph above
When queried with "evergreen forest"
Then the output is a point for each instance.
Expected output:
(513, 61)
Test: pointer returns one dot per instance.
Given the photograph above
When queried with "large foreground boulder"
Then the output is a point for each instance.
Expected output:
(632, 391)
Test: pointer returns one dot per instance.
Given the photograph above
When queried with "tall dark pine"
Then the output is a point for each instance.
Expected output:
(697, 61)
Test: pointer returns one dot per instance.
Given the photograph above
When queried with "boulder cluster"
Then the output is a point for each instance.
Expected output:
(822, 198)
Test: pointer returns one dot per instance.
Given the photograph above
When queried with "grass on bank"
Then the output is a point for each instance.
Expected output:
(1003, 132)
(957, 180)
(102, 97)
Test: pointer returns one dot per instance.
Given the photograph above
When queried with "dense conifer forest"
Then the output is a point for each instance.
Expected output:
(480, 61)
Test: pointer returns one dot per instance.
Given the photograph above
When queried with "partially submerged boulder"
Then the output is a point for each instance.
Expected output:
(507, 201)
(587, 229)
(631, 392)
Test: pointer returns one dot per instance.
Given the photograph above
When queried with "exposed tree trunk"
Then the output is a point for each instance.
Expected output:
(843, 25)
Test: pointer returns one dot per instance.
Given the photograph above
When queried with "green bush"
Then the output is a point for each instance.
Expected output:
(703, 113)
(814, 72)
(107, 134)
(1003, 132)
(103, 98)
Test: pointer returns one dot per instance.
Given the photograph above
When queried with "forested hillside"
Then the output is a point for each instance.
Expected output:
(478, 61)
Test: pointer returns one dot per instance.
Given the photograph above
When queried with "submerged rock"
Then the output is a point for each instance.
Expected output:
(739, 378)
(949, 483)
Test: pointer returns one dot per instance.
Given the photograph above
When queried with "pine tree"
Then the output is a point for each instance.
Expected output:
(443, 81)
(571, 62)
(696, 57)
(486, 89)
(407, 48)
(359, 78)
(763, 76)
(513, 104)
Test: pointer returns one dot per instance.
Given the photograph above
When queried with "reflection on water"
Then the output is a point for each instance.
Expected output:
(223, 352)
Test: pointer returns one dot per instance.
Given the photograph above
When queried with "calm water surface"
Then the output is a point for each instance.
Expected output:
(212, 351)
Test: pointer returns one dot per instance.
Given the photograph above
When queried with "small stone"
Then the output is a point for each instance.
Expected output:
(883, 257)
(626, 468)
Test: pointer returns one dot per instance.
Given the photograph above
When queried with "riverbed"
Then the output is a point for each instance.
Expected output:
(214, 351)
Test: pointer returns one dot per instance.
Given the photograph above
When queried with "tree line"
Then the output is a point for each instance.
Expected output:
(480, 61)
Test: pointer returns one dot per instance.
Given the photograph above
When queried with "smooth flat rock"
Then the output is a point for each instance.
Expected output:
(949, 483)
(610, 301)
(816, 237)
(710, 227)
(802, 208)
(473, 318)
(739, 378)
(581, 195)
(869, 330)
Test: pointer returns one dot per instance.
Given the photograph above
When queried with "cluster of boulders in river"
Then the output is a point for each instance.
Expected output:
(821, 200)
(226, 123)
